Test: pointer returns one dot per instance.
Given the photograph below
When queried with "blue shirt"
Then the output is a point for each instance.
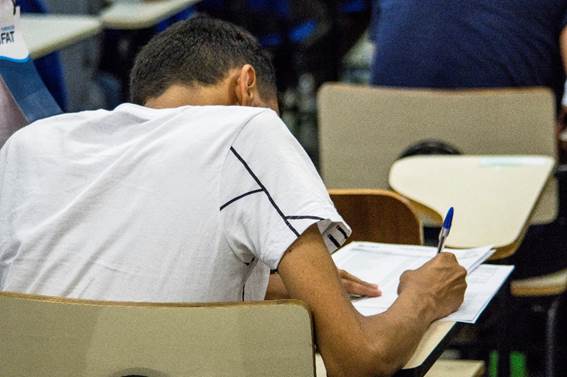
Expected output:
(472, 43)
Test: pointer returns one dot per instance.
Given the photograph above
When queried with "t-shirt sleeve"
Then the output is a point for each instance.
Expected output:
(271, 193)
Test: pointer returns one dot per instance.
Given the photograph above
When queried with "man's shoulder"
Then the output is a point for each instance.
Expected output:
(225, 119)
(237, 113)
(131, 115)
(47, 127)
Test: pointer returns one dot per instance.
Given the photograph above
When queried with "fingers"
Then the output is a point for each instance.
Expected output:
(358, 289)
(348, 276)
(449, 260)
(442, 279)
(356, 286)
(449, 263)
(455, 278)
(445, 257)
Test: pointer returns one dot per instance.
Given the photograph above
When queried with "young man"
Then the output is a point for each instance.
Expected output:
(195, 193)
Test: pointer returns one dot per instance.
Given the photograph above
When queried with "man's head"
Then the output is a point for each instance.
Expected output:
(203, 61)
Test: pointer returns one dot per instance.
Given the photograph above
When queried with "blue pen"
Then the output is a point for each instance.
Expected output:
(444, 233)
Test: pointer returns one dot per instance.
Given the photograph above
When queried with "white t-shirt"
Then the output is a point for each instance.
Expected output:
(188, 204)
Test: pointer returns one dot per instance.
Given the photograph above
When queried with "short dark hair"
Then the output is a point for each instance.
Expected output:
(198, 51)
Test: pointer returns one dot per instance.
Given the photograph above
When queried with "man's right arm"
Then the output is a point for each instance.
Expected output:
(354, 345)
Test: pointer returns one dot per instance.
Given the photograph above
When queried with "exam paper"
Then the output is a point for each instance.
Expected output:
(357, 253)
(482, 285)
(383, 264)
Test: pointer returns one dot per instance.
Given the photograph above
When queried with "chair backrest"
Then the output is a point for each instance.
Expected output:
(63, 337)
(363, 130)
(378, 216)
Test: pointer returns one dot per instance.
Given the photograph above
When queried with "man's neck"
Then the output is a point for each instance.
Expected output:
(182, 95)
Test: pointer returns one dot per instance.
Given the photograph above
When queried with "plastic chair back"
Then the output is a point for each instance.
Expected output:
(60, 337)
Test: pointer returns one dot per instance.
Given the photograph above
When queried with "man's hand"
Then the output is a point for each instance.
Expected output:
(441, 280)
(352, 285)
(378, 345)
(358, 287)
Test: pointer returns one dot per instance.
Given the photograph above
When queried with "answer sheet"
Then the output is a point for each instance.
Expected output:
(383, 264)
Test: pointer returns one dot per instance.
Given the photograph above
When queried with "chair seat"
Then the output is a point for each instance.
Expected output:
(545, 285)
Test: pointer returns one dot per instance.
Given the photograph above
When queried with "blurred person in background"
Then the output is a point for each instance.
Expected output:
(478, 43)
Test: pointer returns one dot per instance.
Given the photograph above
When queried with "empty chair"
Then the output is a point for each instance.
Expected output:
(363, 130)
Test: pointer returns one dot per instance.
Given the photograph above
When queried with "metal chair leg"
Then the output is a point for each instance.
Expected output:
(550, 338)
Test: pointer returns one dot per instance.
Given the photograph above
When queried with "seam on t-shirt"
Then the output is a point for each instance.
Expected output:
(306, 217)
(261, 112)
(310, 217)
(270, 199)
(237, 134)
(238, 198)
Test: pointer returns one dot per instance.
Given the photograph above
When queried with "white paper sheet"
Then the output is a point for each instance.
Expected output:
(383, 264)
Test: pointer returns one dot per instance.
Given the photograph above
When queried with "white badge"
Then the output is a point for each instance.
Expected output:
(12, 45)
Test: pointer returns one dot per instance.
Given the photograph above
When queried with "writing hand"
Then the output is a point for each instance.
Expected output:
(440, 281)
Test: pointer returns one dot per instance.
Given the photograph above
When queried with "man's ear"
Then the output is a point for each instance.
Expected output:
(246, 86)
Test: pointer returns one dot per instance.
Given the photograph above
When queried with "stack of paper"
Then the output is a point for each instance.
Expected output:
(383, 264)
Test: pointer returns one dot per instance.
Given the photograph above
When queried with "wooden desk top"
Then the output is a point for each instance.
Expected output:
(456, 368)
(427, 352)
(493, 196)
(133, 15)
(46, 33)
(429, 348)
